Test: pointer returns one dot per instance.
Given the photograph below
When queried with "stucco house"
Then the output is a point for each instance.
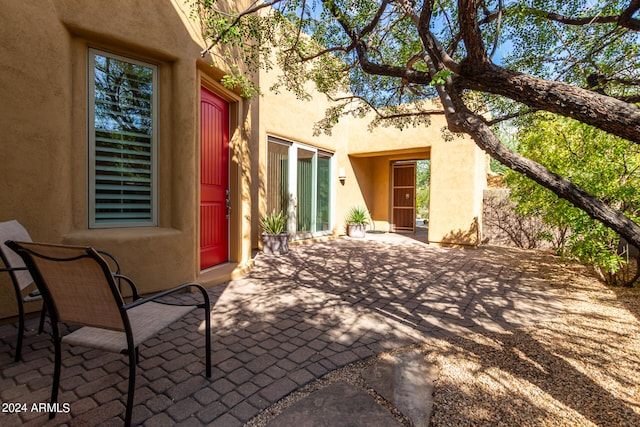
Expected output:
(117, 134)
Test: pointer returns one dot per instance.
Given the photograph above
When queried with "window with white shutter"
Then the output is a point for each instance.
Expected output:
(123, 141)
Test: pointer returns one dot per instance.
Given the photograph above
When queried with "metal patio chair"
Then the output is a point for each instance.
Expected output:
(79, 289)
(20, 277)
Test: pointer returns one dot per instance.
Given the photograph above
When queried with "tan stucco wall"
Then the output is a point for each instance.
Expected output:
(283, 115)
(371, 153)
(366, 155)
(457, 179)
(43, 143)
(458, 176)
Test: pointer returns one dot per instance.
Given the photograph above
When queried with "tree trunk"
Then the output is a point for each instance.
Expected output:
(609, 114)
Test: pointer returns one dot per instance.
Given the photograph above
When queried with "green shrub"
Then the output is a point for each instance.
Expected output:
(358, 216)
(274, 223)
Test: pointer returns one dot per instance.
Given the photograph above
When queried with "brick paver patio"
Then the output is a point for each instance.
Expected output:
(291, 320)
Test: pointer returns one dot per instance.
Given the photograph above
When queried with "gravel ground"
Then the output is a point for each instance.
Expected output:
(579, 369)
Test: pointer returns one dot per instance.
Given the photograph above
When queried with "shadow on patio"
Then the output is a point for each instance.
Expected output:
(291, 320)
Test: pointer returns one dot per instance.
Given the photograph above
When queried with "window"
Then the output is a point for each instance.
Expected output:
(299, 184)
(123, 141)
(304, 193)
(277, 178)
(323, 192)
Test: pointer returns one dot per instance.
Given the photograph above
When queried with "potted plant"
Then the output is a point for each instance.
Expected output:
(275, 241)
(357, 221)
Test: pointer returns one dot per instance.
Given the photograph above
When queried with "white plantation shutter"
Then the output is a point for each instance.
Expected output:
(123, 141)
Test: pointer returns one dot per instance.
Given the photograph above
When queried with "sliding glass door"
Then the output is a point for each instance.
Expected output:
(299, 184)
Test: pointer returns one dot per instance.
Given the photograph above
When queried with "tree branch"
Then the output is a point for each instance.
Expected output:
(581, 104)
(509, 117)
(471, 34)
(256, 6)
(625, 19)
(497, 36)
(383, 115)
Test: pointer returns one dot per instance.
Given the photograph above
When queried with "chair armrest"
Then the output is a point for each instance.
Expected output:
(115, 261)
(206, 304)
(128, 281)
(9, 269)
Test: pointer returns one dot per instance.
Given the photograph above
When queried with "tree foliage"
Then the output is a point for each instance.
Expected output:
(423, 188)
(606, 166)
(409, 59)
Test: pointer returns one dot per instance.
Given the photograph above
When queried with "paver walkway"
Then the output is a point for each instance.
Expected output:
(291, 320)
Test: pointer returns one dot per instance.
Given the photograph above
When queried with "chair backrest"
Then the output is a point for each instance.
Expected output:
(13, 230)
(75, 282)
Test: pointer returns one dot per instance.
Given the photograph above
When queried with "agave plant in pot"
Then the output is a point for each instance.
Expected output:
(357, 221)
(275, 240)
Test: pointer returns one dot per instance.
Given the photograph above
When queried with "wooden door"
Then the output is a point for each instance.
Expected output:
(404, 196)
(214, 179)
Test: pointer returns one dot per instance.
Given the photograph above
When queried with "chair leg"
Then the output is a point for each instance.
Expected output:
(20, 330)
(207, 340)
(132, 387)
(43, 314)
(56, 374)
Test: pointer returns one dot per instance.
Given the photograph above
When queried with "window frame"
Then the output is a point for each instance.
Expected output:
(292, 225)
(94, 223)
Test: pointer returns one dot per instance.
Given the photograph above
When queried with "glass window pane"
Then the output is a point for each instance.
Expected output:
(278, 177)
(304, 210)
(122, 141)
(323, 192)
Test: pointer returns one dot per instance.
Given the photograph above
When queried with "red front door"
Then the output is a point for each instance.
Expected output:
(214, 179)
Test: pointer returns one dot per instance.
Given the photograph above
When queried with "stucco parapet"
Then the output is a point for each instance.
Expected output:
(421, 151)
